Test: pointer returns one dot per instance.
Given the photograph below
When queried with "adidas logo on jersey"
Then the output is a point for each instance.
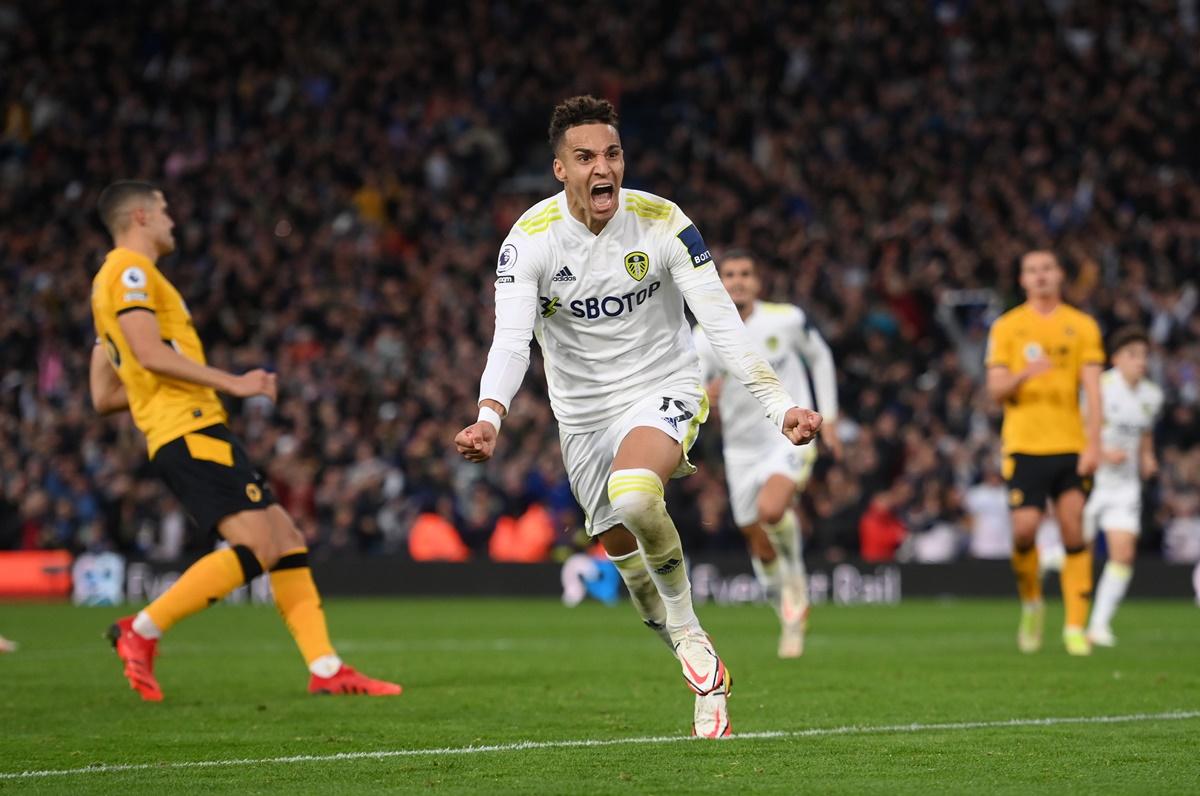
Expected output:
(564, 275)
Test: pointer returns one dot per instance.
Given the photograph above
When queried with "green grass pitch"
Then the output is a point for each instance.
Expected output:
(897, 699)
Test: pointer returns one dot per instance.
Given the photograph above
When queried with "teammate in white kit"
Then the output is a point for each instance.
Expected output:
(762, 469)
(1131, 405)
(599, 274)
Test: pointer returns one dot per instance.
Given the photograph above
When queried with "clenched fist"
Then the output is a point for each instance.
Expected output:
(800, 426)
(477, 441)
(254, 382)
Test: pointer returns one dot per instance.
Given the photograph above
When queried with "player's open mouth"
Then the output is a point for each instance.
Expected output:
(604, 197)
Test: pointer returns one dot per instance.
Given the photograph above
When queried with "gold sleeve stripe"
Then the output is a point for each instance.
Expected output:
(658, 211)
(540, 222)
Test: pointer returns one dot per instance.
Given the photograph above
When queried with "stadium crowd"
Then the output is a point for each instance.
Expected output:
(342, 173)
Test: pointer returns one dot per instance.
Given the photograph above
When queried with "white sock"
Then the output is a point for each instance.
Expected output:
(770, 577)
(637, 497)
(1113, 583)
(785, 536)
(643, 593)
(325, 666)
(144, 626)
(789, 543)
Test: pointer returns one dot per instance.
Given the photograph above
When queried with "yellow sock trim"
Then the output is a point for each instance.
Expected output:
(202, 584)
(625, 482)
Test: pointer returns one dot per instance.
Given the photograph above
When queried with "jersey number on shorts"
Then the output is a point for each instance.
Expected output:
(684, 413)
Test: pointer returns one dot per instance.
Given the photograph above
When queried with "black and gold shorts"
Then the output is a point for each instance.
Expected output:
(211, 474)
(1033, 479)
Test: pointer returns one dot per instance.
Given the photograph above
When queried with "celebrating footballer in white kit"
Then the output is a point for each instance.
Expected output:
(762, 468)
(600, 274)
(1131, 405)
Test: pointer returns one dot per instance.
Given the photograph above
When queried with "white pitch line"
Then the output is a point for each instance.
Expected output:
(521, 746)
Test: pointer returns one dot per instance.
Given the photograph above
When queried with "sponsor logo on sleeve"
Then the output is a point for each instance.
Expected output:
(136, 295)
(506, 280)
(508, 259)
(692, 241)
(134, 277)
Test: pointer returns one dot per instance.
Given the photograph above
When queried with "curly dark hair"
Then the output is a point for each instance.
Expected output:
(584, 109)
(1125, 336)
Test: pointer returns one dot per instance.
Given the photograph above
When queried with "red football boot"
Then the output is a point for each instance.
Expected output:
(137, 653)
(349, 681)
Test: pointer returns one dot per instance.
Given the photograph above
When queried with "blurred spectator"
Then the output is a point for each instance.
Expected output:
(881, 530)
(988, 519)
(526, 539)
(434, 538)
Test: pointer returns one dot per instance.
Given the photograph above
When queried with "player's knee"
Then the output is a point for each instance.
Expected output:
(251, 561)
(284, 536)
(635, 495)
(769, 514)
(1023, 543)
(288, 536)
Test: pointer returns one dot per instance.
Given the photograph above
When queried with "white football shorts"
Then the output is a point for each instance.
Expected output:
(676, 410)
(1118, 509)
(746, 478)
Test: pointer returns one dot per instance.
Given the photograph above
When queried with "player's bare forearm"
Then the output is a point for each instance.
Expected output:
(166, 361)
(495, 406)
(108, 393)
(111, 403)
(1149, 463)
(142, 333)
(1003, 384)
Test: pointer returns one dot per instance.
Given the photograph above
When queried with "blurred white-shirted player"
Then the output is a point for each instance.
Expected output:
(1131, 404)
(600, 274)
(763, 470)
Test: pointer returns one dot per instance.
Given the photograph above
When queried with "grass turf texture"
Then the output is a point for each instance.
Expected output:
(498, 671)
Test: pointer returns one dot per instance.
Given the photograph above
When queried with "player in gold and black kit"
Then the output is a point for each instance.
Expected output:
(1040, 355)
(148, 359)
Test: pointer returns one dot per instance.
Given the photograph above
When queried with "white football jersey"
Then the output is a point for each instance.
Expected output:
(608, 311)
(1129, 412)
(782, 334)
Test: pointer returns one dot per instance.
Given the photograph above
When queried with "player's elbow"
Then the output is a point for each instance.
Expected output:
(149, 354)
(997, 390)
(105, 403)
